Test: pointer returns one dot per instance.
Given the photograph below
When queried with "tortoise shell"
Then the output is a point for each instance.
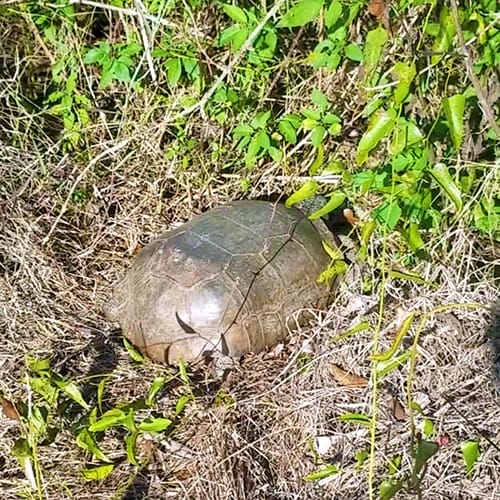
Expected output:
(230, 281)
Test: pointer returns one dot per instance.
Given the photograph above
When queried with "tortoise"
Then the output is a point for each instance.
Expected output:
(232, 280)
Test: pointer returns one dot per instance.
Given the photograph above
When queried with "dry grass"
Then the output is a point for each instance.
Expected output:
(260, 447)
(70, 224)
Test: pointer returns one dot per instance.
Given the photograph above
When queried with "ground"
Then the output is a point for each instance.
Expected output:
(72, 220)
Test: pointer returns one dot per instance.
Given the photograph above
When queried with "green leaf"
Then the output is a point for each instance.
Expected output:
(235, 13)
(454, 108)
(275, 154)
(372, 52)
(354, 52)
(86, 441)
(445, 34)
(428, 428)
(72, 391)
(98, 473)
(335, 200)
(38, 365)
(182, 402)
(405, 135)
(308, 189)
(154, 424)
(174, 71)
(471, 453)
(415, 241)
(239, 38)
(303, 12)
(388, 214)
(243, 130)
(111, 418)
(384, 367)
(228, 35)
(325, 471)
(442, 175)
(260, 120)
(405, 327)
(389, 488)
(156, 386)
(333, 13)
(100, 392)
(130, 440)
(263, 140)
(183, 372)
(319, 99)
(338, 268)
(381, 124)
(356, 418)
(133, 352)
(288, 130)
(425, 450)
(317, 136)
(405, 73)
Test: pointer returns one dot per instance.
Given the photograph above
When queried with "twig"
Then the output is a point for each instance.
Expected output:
(141, 15)
(244, 48)
(82, 174)
(121, 10)
(470, 70)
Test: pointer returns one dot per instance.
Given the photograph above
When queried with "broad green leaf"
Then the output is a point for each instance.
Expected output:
(120, 71)
(72, 391)
(360, 327)
(333, 252)
(405, 327)
(428, 428)
(86, 441)
(235, 13)
(415, 241)
(275, 154)
(318, 161)
(454, 108)
(325, 471)
(38, 365)
(425, 450)
(388, 214)
(380, 125)
(42, 386)
(288, 130)
(332, 13)
(111, 418)
(312, 114)
(442, 175)
(98, 473)
(445, 35)
(336, 269)
(133, 352)
(354, 52)
(130, 440)
(242, 130)
(405, 134)
(470, 452)
(156, 386)
(303, 12)
(308, 189)
(389, 488)
(405, 73)
(182, 402)
(319, 99)
(228, 34)
(263, 140)
(260, 120)
(154, 424)
(372, 52)
(335, 200)
(385, 367)
(355, 418)
(174, 71)
(239, 39)
(317, 136)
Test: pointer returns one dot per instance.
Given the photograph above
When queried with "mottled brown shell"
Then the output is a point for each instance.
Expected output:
(228, 281)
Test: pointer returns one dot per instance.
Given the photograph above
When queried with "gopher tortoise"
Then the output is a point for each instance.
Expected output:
(230, 281)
